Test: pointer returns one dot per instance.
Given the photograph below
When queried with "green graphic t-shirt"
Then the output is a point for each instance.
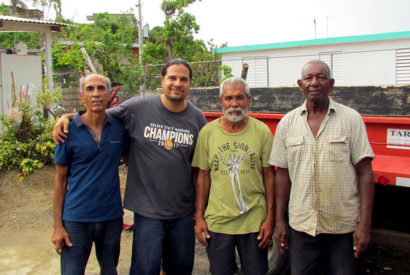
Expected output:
(236, 203)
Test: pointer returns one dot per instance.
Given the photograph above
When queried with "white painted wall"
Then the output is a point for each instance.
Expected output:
(27, 71)
(355, 64)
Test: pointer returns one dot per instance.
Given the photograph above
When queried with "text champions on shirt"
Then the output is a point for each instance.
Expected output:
(168, 136)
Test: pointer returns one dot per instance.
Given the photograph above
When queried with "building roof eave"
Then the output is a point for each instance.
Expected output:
(316, 42)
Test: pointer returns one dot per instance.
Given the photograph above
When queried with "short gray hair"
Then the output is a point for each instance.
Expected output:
(232, 81)
(107, 80)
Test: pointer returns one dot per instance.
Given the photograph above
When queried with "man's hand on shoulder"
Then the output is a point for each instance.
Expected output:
(60, 129)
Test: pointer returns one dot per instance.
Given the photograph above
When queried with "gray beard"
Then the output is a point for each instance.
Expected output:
(233, 117)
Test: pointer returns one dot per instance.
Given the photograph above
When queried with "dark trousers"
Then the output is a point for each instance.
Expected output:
(222, 259)
(107, 238)
(334, 252)
(167, 242)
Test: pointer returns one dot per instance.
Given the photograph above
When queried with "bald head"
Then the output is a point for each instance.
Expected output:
(326, 69)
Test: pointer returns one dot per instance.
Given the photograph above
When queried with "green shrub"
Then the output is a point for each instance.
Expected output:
(26, 140)
(29, 151)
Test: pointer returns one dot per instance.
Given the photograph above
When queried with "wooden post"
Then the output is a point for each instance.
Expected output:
(244, 73)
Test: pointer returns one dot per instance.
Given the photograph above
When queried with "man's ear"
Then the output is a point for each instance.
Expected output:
(332, 82)
(162, 81)
(80, 95)
(300, 84)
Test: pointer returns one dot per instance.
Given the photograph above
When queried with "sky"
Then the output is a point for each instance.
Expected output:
(249, 22)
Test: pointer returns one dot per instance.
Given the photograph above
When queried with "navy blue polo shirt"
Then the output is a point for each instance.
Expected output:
(93, 193)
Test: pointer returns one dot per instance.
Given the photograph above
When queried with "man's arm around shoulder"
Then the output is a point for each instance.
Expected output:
(60, 129)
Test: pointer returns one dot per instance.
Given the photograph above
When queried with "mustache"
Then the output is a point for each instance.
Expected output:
(176, 88)
(236, 109)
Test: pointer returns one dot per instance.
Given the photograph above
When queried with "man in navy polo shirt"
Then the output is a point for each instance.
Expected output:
(87, 197)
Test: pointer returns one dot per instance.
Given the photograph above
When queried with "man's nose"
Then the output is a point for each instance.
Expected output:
(315, 81)
(96, 93)
(178, 82)
(234, 102)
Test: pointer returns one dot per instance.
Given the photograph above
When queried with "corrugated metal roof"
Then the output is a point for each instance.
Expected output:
(315, 42)
(28, 20)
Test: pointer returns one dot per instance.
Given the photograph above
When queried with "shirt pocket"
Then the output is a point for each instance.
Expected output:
(295, 147)
(115, 144)
(337, 148)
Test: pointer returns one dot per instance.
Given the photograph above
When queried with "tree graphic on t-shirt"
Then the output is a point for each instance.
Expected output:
(234, 162)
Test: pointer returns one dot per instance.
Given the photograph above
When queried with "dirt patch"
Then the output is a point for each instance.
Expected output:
(26, 222)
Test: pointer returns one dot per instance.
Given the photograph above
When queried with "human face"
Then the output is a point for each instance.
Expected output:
(176, 83)
(95, 94)
(316, 83)
(234, 102)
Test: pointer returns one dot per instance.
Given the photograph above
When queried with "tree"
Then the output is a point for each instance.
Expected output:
(18, 5)
(109, 39)
(179, 27)
(116, 35)
(9, 40)
(176, 40)
(176, 37)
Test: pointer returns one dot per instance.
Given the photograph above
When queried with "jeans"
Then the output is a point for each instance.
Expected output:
(332, 251)
(170, 242)
(107, 238)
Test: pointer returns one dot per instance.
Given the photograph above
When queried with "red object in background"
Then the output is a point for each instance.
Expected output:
(114, 100)
(383, 181)
(128, 220)
(388, 164)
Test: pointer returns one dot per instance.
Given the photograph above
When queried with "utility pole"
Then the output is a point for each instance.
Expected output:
(140, 45)
(140, 38)
(314, 23)
(327, 26)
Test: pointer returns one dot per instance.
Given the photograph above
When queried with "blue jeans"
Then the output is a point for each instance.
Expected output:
(107, 238)
(170, 242)
(333, 251)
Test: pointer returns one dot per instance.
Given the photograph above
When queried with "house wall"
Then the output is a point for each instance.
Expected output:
(27, 72)
(354, 64)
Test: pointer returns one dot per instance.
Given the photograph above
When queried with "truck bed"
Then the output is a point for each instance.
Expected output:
(388, 136)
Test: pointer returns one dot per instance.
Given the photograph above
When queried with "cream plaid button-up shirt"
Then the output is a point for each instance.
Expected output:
(324, 196)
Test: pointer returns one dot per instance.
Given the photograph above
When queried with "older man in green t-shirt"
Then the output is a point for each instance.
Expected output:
(234, 203)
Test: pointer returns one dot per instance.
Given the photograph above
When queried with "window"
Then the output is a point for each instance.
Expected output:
(257, 71)
(403, 66)
(335, 62)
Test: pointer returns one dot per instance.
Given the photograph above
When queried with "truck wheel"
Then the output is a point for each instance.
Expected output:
(278, 263)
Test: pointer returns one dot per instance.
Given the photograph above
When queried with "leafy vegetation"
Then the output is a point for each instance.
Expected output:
(109, 40)
(8, 40)
(26, 141)
(175, 39)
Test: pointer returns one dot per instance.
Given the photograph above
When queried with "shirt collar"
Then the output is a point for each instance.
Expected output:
(331, 107)
(79, 122)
